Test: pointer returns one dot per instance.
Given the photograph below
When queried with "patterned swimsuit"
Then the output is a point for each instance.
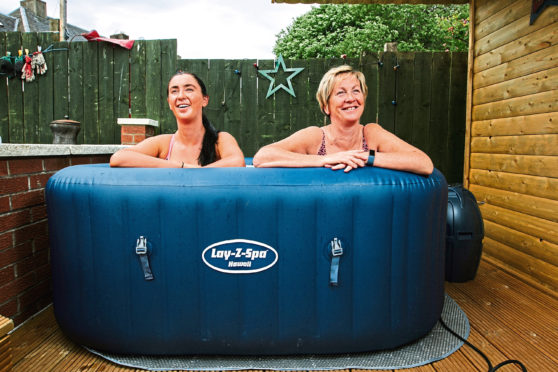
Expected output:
(322, 150)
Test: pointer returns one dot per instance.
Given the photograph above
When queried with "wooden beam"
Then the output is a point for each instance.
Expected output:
(371, 1)
(537, 103)
(545, 144)
(534, 226)
(541, 60)
(530, 43)
(469, 97)
(530, 205)
(542, 166)
(509, 32)
(541, 187)
(538, 269)
(538, 82)
(542, 250)
(518, 125)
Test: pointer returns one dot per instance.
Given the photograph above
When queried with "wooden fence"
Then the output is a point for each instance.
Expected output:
(418, 96)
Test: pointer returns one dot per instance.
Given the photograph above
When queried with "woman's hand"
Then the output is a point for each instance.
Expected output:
(346, 160)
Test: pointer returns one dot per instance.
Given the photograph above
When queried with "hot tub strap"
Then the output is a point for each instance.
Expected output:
(141, 251)
(336, 252)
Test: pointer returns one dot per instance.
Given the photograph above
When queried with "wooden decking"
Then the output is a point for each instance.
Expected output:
(509, 320)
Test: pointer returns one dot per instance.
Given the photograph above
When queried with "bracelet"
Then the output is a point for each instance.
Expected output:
(182, 165)
(371, 157)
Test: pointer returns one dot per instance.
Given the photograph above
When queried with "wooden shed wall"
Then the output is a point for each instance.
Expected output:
(511, 162)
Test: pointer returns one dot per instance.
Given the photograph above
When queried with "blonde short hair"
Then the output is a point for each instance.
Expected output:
(331, 77)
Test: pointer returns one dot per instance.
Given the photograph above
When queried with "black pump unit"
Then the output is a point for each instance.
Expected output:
(464, 234)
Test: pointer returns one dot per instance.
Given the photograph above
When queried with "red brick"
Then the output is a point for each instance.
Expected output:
(39, 181)
(16, 287)
(100, 159)
(13, 255)
(9, 309)
(10, 221)
(38, 213)
(4, 204)
(22, 166)
(44, 273)
(134, 129)
(13, 185)
(56, 163)
(31, 263)
(24, 314)
(28, 232)
(41, 242)
(30, 296)
(3, 167)
(28, 199)
(7, 274)
(6, 242)
(139, 137)
(127, 139)
(77, 160)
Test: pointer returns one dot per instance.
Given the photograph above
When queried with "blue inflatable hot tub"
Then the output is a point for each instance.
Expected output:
(246, 261)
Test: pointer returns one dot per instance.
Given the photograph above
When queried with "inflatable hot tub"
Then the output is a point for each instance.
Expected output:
(246, 261)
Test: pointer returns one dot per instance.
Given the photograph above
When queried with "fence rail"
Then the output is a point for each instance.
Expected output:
(418, 96)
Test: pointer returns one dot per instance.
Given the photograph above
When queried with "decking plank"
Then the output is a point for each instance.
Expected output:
(509, 318)
(32, 333)
(50, 352)
(501, 333)
(535, 326)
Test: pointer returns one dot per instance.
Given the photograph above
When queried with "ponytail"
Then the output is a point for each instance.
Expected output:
(208, 153)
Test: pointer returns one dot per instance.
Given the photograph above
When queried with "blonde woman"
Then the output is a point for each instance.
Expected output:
(345, 143)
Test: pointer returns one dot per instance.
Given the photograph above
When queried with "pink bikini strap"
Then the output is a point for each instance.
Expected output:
(171, 144)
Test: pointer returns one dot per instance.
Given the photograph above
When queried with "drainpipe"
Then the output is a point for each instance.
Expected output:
(63, 20)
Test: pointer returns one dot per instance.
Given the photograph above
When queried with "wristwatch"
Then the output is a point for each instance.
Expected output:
(371, 156)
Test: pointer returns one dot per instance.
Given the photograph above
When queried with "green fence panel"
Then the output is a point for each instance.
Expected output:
(107, 118)
(167, 122)
(4, 122)
(438, 138)
(418, 96)
(89, 121)
(46, 88)
(404, 96)
(422, 84)
(456, 125)
(387, 83)
(30, 93)
(138, 79)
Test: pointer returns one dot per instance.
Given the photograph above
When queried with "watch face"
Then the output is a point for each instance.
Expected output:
(372, 152)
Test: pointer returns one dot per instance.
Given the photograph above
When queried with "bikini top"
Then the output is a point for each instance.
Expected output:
(322, 150)
(170, 147)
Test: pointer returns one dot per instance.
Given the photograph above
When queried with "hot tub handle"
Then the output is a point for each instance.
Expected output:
(336, 252)
(141, 251)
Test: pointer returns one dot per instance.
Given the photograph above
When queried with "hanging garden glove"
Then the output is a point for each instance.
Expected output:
(18, 66)
(38, 63)
(7, 67)
(27, 72)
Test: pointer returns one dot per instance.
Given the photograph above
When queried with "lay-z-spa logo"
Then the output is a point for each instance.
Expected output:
(239, 256)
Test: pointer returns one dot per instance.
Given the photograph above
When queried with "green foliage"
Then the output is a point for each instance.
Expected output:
(333, 30)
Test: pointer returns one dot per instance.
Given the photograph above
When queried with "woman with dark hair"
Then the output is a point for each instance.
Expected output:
(195, 144)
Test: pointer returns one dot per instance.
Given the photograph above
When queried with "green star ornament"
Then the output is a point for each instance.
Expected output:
(294, 71)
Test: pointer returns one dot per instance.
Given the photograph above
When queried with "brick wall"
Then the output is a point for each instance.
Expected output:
(25, 280)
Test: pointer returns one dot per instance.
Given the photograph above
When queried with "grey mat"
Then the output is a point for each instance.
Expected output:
(436, 345)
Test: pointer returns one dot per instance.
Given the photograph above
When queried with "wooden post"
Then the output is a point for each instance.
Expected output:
(63, 20)
(6, 325)
(469, 100)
